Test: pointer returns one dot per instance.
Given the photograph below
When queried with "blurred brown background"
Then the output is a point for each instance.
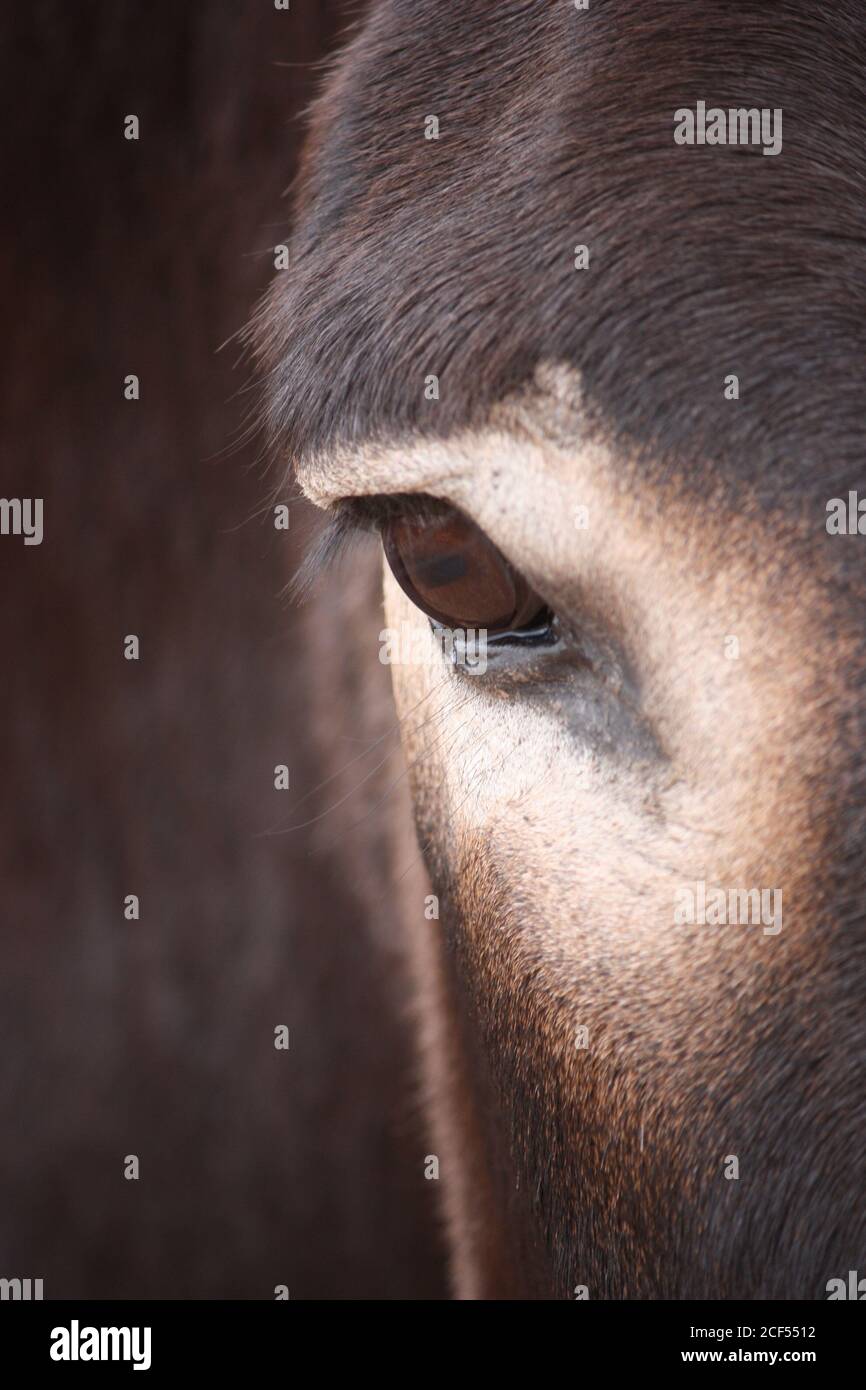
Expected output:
(155, 1037)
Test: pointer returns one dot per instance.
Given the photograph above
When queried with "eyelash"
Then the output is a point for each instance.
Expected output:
(350, 522)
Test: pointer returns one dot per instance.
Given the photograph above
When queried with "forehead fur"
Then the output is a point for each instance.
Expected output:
(455, 256)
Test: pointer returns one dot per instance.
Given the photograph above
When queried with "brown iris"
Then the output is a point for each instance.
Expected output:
(455, 575)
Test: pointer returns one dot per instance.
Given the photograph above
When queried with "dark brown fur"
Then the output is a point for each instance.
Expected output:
(455, 256)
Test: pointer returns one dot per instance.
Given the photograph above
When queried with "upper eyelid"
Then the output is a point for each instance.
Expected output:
(370, 512)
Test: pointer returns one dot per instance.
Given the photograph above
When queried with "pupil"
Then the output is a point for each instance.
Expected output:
(434, 571)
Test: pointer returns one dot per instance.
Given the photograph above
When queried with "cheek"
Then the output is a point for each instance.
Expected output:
(576, 860)
(517, 811)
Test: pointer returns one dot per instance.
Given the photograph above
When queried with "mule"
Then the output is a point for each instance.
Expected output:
(595, 388)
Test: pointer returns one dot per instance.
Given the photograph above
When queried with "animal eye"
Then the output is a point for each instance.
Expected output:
(456, 575)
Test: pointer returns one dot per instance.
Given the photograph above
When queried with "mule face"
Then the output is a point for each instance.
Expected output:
(668, 1100)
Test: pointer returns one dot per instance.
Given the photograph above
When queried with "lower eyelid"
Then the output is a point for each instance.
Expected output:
(506, 660)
